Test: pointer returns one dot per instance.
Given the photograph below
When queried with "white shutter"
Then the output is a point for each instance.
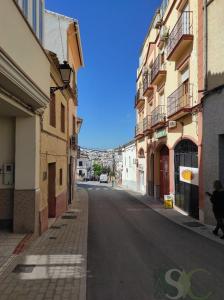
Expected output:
(185, 75)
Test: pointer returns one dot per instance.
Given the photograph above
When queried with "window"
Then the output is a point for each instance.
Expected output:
(80, 163)
(62, 118)
(41, 20)
(25, 7)
(35, 15)
(80, 172)
(52, 111)
(61, 176)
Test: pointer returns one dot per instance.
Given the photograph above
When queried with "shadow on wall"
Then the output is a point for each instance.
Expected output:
(215, 80)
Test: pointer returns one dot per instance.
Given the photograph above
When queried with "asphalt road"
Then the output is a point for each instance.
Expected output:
(132, 252)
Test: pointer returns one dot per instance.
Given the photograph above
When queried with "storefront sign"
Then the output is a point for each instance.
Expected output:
(160, 133)
(189, 175)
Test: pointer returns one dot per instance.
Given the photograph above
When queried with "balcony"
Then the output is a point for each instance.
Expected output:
(158, 72)
(179, 102)
(181, 37)
(139, 130)
(139, 99)
(147, 86)
(147, 124)
(158, 116)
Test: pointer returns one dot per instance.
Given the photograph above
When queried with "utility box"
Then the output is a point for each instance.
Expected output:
(168, 201)
(8, 174)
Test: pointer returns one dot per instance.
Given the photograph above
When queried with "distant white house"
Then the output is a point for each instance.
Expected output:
(129, 179)
(84, 167)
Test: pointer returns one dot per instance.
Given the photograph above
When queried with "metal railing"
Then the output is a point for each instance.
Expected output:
(179, 99)
(184, 26)
(139, 95)
(147, 123)
(146, 80)
(157, 66)
(139, 128)
(158, 115)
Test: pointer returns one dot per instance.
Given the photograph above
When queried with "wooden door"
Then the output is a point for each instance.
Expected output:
(164, 172)
(51, 190)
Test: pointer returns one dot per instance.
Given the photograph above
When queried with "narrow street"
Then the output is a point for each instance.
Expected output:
(130, 247)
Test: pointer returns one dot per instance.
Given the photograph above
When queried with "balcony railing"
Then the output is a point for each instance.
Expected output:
(183, 27)
(158, 115)
(146, 80)
(158, 66)
(139, 129)
(139, 96)
(147, 123)
(179, 99)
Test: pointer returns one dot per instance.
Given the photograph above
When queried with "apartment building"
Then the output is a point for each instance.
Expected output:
(24, 94)
(213, 106)
(168, 106)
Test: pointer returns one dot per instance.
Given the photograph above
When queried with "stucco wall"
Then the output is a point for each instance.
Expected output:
(17, 48)
(212, 128)
(215, 37)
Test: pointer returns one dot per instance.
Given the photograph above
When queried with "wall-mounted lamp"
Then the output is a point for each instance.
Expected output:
(65, 71)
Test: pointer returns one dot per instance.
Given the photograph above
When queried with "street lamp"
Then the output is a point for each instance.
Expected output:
(65, 71)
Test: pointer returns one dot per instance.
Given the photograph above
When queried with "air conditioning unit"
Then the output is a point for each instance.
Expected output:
(172, 124)
(164, 34)
(158, 20)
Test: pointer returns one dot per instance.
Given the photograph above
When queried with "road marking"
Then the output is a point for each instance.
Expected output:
(90, 189)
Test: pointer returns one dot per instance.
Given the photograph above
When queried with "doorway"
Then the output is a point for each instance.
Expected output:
(164, 172)
(51, 190)
(186, 194)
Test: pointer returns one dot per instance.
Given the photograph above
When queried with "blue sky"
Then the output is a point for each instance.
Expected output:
(112, 32)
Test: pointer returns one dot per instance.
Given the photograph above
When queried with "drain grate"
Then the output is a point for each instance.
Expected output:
(24, 269)
(69, 217)
(52, 238)
(69, 212)
(193, 224)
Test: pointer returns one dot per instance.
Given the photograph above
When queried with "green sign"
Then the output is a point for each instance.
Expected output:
(160, 133)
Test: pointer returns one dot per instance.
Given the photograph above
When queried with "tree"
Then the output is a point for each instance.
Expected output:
(97, 169)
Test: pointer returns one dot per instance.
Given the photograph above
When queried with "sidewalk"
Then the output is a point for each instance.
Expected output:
(176, 216)
(55, 265)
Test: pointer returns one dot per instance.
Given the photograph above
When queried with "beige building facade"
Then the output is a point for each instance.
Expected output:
(24, 94)
(168, 107)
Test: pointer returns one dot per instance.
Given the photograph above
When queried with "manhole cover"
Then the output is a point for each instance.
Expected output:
(24, 268)
(52, 238)
(193, 224)
(55, 227)
(69, 217)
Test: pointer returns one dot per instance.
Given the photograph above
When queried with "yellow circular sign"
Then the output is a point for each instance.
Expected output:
(187, 175)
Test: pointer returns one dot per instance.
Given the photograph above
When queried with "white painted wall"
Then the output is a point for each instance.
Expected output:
(55, 34)
(129, 167)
